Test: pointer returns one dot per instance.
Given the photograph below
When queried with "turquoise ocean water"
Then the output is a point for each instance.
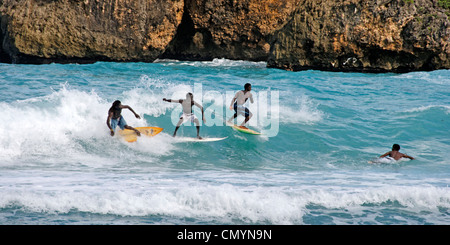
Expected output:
(59, 165)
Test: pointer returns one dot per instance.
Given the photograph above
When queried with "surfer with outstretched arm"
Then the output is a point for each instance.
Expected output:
(187, 112)
(395, 154)
(115, 118)
(237, 104)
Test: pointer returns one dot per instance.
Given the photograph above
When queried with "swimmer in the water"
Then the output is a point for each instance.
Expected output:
(395, 154)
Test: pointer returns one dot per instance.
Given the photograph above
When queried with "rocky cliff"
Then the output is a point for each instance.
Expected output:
(359, 35)
(233, 29)
(40, 31)
(340, 35)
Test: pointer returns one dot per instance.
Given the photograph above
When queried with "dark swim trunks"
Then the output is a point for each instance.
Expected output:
(241, 110)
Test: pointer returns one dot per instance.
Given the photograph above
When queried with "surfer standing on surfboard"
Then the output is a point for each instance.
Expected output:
(187, 112)
(115, 118)
(237, 103)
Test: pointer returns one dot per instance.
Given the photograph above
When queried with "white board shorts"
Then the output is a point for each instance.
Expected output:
(188, 116)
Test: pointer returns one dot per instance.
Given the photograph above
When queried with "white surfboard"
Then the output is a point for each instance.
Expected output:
(190, 139)
(387, 160)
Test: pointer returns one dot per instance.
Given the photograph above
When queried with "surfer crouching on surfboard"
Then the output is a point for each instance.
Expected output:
(115, 118)
(237, 103)
(187, 112)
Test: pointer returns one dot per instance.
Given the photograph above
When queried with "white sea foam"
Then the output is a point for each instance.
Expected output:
(147, 97)
(217, 62)
(304, 110)
(426, 108)
(48, 124)
(137, 195)
(66, 122)
(233, 63)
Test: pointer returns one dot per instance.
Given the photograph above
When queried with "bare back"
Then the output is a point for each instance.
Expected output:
(396, 155)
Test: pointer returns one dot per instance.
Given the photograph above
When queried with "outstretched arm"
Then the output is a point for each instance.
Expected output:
(129, 108)
(385, 154)
(406, 156)
(173, 101)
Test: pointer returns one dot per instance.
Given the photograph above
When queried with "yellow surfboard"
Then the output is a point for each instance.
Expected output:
(131, 136)
(245, 130)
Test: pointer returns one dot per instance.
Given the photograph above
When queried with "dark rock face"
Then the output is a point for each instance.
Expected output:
(336, 35)
(368, 36)
(233, 29)
(41, 31)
